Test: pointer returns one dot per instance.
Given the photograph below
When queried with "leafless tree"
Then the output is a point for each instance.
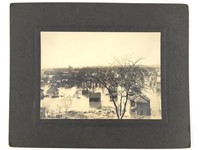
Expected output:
(123, 77)
(64, 104)
(67, 101)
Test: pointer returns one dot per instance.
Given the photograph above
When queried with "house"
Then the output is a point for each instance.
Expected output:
(53, 91)
(85, 90)
(141, 105)
(95, 97)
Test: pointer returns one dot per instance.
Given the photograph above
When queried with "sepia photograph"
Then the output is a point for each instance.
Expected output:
(100, 75)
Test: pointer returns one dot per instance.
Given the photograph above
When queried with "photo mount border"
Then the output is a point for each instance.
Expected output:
(26, 131)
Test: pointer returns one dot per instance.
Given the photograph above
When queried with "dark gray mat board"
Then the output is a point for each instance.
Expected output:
(25, 127)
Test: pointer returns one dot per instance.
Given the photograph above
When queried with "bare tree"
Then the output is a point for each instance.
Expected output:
(67, 101)
(64, 104)
(123, 77)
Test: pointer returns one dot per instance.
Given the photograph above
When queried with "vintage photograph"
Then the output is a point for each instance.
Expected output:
(100, 75)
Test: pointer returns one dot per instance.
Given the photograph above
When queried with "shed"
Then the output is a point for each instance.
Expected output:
(141, 105)
(95, 97)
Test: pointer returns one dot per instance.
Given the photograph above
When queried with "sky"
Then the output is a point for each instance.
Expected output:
(81, 49)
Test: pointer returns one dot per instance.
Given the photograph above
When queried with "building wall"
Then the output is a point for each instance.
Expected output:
(143, 109)
(95, 99)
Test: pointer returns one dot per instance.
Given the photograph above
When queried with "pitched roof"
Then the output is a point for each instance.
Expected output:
(141, 100)
(52, 89)
(145, 97)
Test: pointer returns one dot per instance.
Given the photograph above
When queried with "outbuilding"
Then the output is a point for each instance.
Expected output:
(141, 105)
(95, 97)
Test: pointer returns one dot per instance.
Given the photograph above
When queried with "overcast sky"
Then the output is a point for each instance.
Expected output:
(79, 49)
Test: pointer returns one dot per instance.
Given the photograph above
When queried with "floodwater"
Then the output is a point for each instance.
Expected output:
(74, 105)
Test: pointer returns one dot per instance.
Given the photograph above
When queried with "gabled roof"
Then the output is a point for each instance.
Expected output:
(52, 89)
(141, 100)
(145, 97)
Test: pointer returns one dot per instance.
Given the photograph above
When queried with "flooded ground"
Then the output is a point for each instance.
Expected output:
(71, 104)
